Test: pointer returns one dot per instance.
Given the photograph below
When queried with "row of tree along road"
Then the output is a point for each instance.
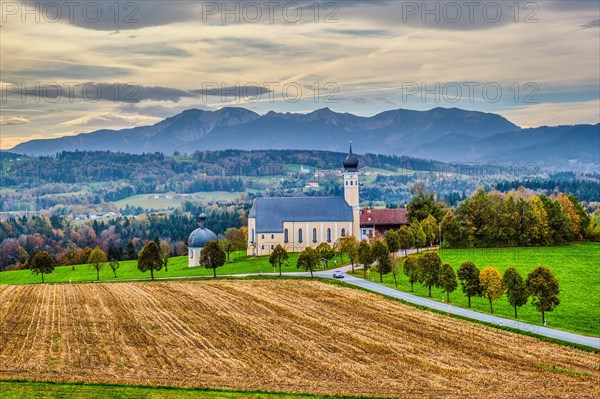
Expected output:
(540, 284)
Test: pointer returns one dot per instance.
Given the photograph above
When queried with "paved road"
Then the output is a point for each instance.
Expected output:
(468, 313)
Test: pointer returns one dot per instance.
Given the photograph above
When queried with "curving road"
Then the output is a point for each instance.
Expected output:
(468, 313)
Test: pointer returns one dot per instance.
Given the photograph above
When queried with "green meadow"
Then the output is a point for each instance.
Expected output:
(177, 267)
(147, 201)
(52, 390)
(576, 267)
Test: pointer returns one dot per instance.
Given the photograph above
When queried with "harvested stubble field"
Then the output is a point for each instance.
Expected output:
(279, 335)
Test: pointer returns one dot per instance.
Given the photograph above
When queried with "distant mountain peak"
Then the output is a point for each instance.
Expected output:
(445, 134)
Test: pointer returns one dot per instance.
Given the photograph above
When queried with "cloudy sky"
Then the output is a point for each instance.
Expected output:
(68, 68)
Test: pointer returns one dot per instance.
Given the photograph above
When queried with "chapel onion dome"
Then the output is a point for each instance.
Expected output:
(201, 236)
(351, 161)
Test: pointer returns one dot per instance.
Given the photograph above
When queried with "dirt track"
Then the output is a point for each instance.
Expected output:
(294, 336)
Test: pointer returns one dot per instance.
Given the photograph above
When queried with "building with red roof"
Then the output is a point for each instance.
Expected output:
(378, 221)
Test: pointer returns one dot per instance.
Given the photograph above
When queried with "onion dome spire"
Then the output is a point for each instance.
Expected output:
(351, 161)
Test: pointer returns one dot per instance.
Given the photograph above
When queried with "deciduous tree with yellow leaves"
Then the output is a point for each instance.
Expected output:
(491, 285)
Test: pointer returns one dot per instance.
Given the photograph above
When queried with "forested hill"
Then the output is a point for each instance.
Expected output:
(156, 168)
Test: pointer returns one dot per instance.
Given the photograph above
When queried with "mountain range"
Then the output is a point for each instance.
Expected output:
(444, 134)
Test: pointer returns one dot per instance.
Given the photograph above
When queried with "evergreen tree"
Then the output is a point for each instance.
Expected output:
(423, 203)
(130, 251)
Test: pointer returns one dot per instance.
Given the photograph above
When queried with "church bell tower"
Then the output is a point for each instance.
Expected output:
(351, 190)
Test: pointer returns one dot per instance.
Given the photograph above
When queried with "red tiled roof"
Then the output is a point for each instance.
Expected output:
(371, 217)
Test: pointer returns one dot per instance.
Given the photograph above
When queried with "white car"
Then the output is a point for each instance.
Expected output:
(338, 274)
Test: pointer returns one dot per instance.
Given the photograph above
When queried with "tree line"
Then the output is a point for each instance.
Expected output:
(70, 244)
(518, 218)
(540, 284)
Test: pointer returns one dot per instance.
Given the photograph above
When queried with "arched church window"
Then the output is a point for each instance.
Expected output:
(343, 232)
(272, 236)
(314, 235)
(300, 235)
(252, 236)
(328, 235)
(286, 236)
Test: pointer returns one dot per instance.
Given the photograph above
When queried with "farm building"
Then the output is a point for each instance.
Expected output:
(378, 221)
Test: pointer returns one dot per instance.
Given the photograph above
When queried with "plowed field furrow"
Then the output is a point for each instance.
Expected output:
(150, 324)
(178, 330)
(282, 335)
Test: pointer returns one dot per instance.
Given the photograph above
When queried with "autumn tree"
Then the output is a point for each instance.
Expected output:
(544, 289)
(71, 255)
(349, 245)
(234, 240)
(491, 285)
(539, 229)
(150, 258)
(516, 290)
(418, 234)
(278, 257)
(84, 255)
(430, 228)
(573, 217)
(164, 251)
(97, 260)
(365, 256)
(308, 260)
(447, 279)
(411, 270)
(392, 240)
(325, 252)
(429, 269)
(468, 274)
(406, 239)
(42, 263)
(381, 254)
(212, 256)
